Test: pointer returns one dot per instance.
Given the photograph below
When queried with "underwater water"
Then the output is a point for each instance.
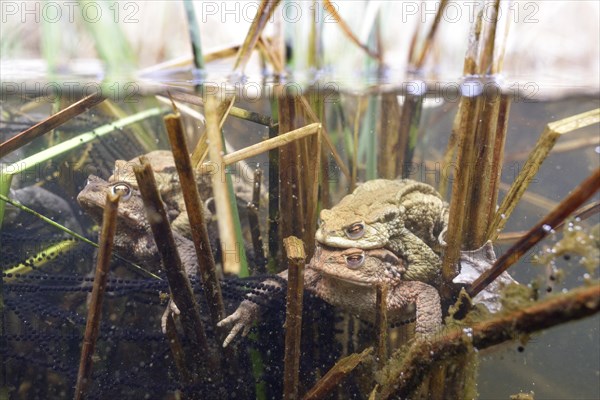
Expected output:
(48, 274)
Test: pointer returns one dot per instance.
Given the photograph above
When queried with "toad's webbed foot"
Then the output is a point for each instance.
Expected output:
(241, 320)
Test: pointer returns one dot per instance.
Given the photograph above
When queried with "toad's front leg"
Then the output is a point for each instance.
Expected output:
(429, 310)
(248, 311)
(241, 320)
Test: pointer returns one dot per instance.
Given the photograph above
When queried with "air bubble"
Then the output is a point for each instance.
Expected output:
(546, 227)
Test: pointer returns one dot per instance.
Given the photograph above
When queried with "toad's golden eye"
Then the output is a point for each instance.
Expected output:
(122, 189)
(355, 260)
(355, 231)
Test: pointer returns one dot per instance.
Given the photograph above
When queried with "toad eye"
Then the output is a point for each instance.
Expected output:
(355, 231)
(355, 261)
(122, 189)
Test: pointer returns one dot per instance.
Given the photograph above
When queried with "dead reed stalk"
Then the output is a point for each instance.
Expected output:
(92, 326)
(195, 211)
(229, 245)
(294, 249)
(381, 324)
(179, 284)
(575, 199)
(403, 377)
(336, 374)
(52, 122)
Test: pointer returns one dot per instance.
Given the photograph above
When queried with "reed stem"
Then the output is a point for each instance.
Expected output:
(381, 324)
(403, 378)
(229, 246)
(294, 249)
(179, 284)
(50, 123)
(92, 326)
(574, 200)
(207, 270)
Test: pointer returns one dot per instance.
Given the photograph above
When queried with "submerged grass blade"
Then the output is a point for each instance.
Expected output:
(71, 144)
(7, 171)
(56, 225)
(239, 237)
(145, 137)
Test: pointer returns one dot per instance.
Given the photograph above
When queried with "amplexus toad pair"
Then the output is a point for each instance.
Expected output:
(387, 232)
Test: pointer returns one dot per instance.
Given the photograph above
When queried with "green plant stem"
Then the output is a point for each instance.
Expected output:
(194, 34)
(7, 171)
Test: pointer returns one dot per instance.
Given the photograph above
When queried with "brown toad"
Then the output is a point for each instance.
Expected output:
(348, 279)
(167, 181)
(407, 217)
(133, 237)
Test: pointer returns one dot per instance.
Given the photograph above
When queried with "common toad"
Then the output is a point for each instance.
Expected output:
(407, 217)
(348, 279)
(167, 181)
(133, 237)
